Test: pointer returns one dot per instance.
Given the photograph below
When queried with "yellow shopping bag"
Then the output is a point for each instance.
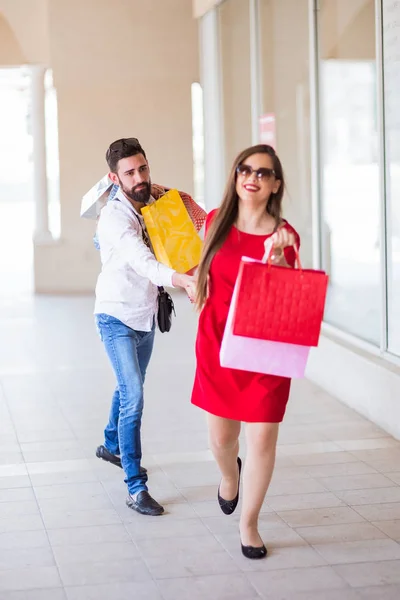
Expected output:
(173, 236)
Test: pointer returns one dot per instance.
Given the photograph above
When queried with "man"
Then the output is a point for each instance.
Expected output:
(125, 309)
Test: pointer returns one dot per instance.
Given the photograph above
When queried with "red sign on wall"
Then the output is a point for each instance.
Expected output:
(268, 129)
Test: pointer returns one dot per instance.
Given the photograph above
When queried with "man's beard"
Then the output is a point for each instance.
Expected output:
(142, 195)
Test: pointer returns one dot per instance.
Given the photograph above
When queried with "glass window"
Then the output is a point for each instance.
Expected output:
(350, 171)
(285, 106)
(391, 38)
(234, 22)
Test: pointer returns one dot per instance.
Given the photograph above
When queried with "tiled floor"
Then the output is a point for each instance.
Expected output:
(331, 520)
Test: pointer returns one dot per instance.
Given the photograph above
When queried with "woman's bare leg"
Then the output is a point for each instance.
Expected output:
(260, 460)
(224, 443)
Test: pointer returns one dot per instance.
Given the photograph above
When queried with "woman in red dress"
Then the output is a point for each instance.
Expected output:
(249, 215)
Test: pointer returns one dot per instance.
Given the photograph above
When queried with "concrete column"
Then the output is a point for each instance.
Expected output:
(211, 81)
(40, 191)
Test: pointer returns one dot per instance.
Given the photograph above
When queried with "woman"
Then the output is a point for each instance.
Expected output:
(249, 215)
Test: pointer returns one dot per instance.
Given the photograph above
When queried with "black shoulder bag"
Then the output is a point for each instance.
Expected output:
(165, 303)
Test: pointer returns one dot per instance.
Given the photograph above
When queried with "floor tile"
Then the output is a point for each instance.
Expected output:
(223, 587)
(339, 469)
(390, 528)
(95, 552)
(386, 572)
(296, 486)
(26, 557)
(221, 524)
(18, 494)
(116, 591)
(75, 503)
(365, 444)
(349, 532)
(365, 551)
(161, 547)
(380, 593)
(385, 465)
(70, 490)
(356, 482)
(310, 448)
(109, 571)
(320, 516)
(80, 518)
(30, 578)
(10, 483)
(22, 540)
(63, 477)
(282, 584)
(15, 509)
(99, 534)
(58, 466)
(13, 470)
(39, 594)
(156, 527)
(189, 564)
(379, 512)
(324, 458)
(22, 522)
(370, 496)
(303, 501)
(376, 454)
(395, 477)
(338, 594)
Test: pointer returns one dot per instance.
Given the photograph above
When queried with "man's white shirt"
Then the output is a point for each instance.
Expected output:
(127, 285)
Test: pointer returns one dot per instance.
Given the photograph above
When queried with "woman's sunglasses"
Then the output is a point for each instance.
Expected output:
(262, 173)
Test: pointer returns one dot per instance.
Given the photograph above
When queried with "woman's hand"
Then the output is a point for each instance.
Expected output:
(186, 282)
(281, 239)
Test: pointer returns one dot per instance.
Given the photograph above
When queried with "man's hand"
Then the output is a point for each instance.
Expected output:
(186, 282)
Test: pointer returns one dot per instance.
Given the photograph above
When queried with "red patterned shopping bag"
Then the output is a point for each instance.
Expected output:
(280, 304)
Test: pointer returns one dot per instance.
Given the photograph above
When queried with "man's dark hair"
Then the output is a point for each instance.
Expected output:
(122, 148)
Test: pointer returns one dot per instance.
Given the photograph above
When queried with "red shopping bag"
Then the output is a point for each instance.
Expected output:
(280, 304)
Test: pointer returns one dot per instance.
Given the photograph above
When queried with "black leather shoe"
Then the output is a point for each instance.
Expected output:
(145, 504)
(254, 553)
(104, 454)
(229, 506)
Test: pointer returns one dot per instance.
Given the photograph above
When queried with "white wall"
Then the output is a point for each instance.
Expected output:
(120, 69)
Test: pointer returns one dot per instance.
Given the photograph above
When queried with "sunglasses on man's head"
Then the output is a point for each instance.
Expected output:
(261, 173)
(118, 144)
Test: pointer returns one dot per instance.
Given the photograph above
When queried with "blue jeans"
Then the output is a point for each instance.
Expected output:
(129, 352)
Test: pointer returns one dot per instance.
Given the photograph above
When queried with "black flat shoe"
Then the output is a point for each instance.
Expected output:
(144, 504)
(254, 553)
(104, 454)
(229, 506)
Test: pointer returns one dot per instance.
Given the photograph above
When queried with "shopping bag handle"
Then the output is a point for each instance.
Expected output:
(269, 250)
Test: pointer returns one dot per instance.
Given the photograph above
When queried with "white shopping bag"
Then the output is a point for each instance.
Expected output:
(96, 198)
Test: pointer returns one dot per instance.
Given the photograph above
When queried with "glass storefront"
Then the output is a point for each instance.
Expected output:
(350, 187)
(284, 119)
(391, 71)
(346, 92)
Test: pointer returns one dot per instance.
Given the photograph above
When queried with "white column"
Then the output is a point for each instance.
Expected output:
(211, 81)
(255, 71)
(40, 191)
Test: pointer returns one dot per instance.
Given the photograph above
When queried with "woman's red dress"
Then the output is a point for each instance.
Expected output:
(230, 393)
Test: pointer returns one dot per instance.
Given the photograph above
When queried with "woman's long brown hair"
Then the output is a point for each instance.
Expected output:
(228, 212)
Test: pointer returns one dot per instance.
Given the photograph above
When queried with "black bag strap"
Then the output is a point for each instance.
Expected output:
(146, 240)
